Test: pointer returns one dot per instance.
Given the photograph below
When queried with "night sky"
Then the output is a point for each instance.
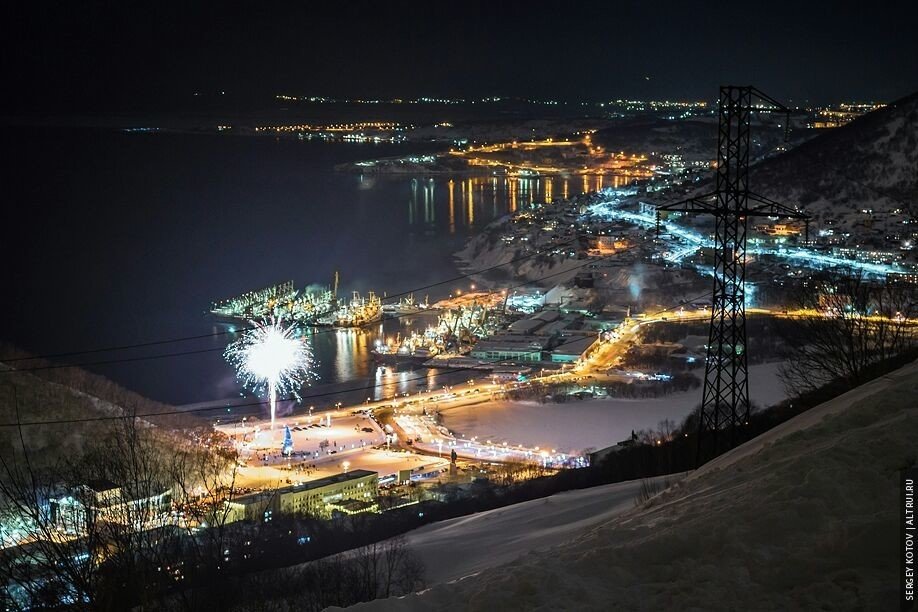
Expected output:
(98, 56)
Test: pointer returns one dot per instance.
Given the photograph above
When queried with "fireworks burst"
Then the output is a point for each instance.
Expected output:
(271, 358)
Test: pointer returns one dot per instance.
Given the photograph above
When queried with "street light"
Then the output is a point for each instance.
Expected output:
(346, 465)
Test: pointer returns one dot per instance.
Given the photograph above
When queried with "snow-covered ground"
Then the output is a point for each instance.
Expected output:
(576, 425)
(803, 517)
(467, 545)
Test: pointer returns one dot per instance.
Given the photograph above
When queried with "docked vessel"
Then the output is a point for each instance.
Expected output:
(405, 306)
(281, 301)
(359, 311)
(414, 348)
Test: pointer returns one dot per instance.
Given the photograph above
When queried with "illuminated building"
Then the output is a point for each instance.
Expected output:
(510, 348)
(611, 244)
(842, 114)
(321, 498)
(778, 229)
(105, 501)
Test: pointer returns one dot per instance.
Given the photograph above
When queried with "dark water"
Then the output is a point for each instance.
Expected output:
(115, 238)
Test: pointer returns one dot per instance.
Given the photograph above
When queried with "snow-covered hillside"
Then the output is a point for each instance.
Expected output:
(803, 517)
(871, 163)
(485, 252)
(467, 545)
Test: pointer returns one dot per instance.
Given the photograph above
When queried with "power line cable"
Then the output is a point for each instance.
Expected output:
(226, 332)
(211, 335)
(291, 398)
(318, 332)
(59, 366)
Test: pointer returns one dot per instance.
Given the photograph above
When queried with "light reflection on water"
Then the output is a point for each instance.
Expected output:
(345, 366)
(348, 374)
(225, 216)
(479, 200)
(465, 203)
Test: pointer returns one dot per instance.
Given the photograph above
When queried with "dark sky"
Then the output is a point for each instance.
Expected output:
(129, 55)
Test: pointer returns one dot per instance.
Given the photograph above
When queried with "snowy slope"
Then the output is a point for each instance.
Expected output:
(870, 163)
(804, 518)
(466, 545)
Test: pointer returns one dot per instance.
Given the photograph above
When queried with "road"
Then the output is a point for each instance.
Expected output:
(355, 440)
(347, 437)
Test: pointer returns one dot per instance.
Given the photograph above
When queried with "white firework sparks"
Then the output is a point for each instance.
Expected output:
(270, 358)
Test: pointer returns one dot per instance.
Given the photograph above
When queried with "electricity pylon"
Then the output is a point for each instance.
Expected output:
(725, 399)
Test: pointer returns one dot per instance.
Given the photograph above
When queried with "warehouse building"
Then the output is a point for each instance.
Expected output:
(510, 348)
(573, 349)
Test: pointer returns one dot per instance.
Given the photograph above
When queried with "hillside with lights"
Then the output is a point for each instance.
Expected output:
(859, 183)
(869, 164)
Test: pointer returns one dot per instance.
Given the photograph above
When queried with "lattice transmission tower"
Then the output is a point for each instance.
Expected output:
(725, 399)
